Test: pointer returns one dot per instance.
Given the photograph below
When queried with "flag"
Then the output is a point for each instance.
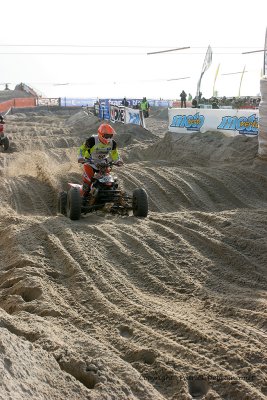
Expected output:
(206, 64)
(207, 60)
(241, 79)
(216, 74)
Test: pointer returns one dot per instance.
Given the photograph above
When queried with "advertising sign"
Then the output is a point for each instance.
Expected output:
(232, 122)
(126, 115)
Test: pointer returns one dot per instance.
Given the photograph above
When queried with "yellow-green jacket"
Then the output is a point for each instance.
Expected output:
(144, 105)
(97, 151)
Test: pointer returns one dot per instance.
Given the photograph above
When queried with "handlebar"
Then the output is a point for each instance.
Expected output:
(105, 163)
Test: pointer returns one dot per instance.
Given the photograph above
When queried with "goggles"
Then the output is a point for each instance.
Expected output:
(107, 135)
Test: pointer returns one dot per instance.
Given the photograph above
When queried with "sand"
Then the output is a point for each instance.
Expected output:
(172, 306)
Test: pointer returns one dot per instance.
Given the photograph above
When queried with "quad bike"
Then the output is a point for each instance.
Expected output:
(105, 195)
(4, 141)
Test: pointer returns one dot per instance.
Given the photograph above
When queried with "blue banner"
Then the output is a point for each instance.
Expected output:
(89, 102)
(77, 102)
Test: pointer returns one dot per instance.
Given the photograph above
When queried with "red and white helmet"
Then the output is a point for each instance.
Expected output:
(105, 133)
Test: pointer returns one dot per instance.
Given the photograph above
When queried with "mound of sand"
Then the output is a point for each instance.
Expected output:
(82, 122)
(85, 125)
(168, 307)
(210, 148)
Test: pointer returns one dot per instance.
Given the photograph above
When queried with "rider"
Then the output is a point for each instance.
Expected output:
(96, 149)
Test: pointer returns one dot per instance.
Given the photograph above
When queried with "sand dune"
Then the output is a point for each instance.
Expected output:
(168, 307)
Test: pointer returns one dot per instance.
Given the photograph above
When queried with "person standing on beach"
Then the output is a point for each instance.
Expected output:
(125, 102)
(144, 106)
(183, 96)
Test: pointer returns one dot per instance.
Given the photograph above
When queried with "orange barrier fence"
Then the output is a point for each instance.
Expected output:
(6, 105)
(20, 103)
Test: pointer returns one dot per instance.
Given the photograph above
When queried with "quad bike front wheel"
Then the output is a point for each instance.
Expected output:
(5, 143)
(73, 206)
(62, 203)
(140, 203)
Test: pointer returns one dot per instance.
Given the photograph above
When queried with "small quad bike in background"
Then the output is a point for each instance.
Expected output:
(105, 195)
(4, 140)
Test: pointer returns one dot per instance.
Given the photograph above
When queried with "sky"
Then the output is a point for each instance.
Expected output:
(85, 49)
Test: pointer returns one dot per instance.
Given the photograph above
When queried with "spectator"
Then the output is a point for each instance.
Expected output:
(183, 96)
(144, 106)
(125, 102)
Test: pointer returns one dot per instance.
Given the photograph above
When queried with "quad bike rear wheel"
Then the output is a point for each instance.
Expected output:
(73, 206)
(62, 203)
(140, 203)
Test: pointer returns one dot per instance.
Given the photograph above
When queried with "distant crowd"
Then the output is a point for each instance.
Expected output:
(233, 102)
(219, 102)
(245, 102)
